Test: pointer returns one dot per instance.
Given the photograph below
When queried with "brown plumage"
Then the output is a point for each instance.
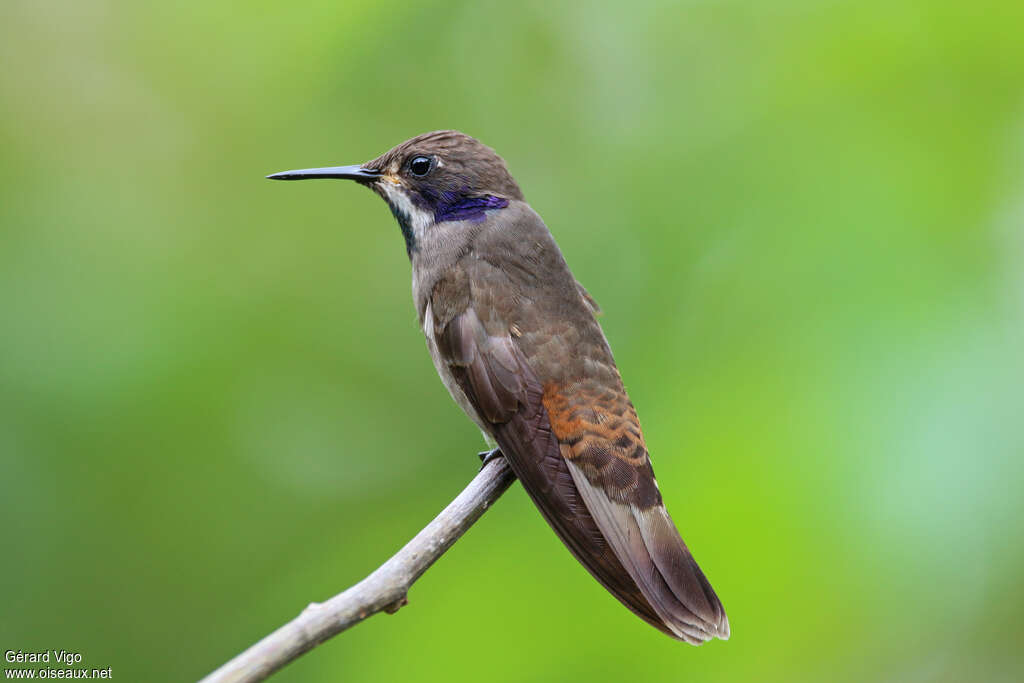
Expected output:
(515, 339)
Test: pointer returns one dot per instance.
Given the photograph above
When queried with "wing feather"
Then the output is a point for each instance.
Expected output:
(658, 560)
(635, 553)
(532, 450)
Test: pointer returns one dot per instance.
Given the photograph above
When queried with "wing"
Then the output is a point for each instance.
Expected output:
(605, 508)
(601, 442)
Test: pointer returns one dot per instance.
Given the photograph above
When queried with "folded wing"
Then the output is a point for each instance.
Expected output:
(587, 471)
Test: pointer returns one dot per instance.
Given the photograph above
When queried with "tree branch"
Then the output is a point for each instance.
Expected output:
(385, 589)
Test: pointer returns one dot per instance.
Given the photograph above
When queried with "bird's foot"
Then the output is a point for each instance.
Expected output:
(487, 456)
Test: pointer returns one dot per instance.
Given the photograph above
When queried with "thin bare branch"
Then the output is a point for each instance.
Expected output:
(383, 590)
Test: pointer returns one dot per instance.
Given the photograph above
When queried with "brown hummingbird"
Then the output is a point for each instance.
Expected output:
(516, 342)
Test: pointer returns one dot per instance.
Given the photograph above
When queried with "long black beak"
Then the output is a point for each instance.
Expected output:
(345, 172)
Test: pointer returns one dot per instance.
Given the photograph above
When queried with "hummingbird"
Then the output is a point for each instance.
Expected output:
(516, 341)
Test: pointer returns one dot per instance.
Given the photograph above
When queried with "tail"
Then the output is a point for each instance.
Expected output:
(646, 542)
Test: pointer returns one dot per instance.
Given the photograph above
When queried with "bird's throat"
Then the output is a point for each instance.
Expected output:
(412, 218)
(405, 223)
(416, 212)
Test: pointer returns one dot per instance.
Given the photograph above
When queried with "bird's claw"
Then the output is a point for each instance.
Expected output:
(487, 456)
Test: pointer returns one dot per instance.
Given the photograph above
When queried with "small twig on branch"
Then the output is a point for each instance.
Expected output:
(383, 590)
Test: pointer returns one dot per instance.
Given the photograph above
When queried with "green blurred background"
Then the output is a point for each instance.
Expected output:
(803, 221)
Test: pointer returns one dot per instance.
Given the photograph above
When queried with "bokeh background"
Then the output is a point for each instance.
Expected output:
(803, 221)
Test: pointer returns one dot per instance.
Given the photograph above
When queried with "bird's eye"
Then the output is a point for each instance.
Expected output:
(420, 166)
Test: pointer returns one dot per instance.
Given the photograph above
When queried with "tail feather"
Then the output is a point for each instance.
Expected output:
(651, 550)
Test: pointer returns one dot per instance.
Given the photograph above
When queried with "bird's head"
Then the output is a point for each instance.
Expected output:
(432, 178)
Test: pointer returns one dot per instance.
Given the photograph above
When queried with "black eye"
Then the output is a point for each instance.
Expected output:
(420, 166)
